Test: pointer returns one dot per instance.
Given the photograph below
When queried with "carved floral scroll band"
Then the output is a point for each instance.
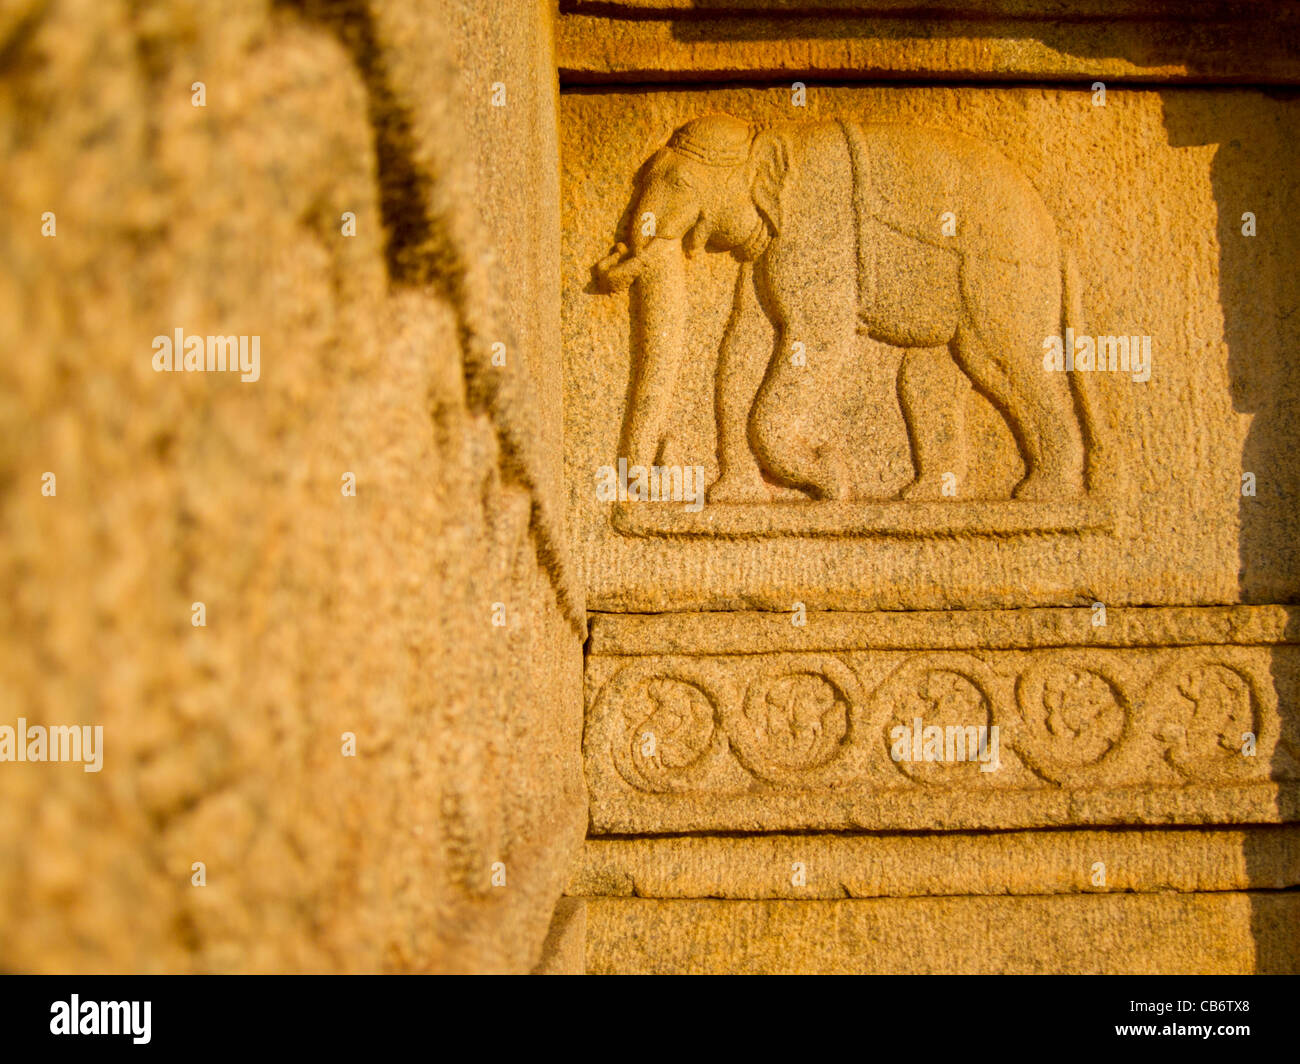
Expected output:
(805, 722)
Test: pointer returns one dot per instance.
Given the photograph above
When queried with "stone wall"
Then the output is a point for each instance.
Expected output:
(349, 520)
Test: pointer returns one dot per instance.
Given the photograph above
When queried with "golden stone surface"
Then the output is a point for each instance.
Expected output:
(746, 486)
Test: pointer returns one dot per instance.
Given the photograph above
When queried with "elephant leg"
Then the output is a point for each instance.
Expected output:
(795, 420)
(742, 361)
(1058, 472)
(999, 344)
(932, 393)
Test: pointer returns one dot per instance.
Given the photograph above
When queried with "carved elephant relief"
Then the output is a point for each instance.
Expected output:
(838, 231)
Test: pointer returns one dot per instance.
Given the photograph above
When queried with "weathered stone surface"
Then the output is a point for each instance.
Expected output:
(326, 613)
(1111, 934)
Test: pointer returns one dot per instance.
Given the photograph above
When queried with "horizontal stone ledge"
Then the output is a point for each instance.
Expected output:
(1221, 933)
(929, 520)
(755, 632)
(1074, 10)
(596, 49)
(622, 811)
(831, 867)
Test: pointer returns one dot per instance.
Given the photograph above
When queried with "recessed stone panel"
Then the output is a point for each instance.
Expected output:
(846, 395)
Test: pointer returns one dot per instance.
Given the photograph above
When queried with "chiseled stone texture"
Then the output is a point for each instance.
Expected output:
(1115, 934)
(325, 614)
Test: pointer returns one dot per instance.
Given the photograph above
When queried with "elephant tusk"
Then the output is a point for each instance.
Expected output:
(616, 273)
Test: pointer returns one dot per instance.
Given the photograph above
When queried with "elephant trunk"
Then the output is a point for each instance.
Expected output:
(658, 315)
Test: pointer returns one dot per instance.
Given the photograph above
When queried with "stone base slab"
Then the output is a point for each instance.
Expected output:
(1112, 934)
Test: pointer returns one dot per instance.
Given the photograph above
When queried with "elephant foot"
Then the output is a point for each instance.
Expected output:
(738, 489)
(1038, 487)
(831, 492)
(834, 483)
(923, 489)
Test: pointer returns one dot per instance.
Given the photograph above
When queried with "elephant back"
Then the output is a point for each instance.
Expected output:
(907, 178)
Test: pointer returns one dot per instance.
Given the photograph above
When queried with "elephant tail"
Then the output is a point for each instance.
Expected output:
(1071, 298)
(1085, 397)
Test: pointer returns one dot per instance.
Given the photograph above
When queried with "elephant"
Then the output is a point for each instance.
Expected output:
(911, 237)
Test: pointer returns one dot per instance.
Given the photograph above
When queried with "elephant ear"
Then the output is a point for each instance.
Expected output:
(769, 160)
